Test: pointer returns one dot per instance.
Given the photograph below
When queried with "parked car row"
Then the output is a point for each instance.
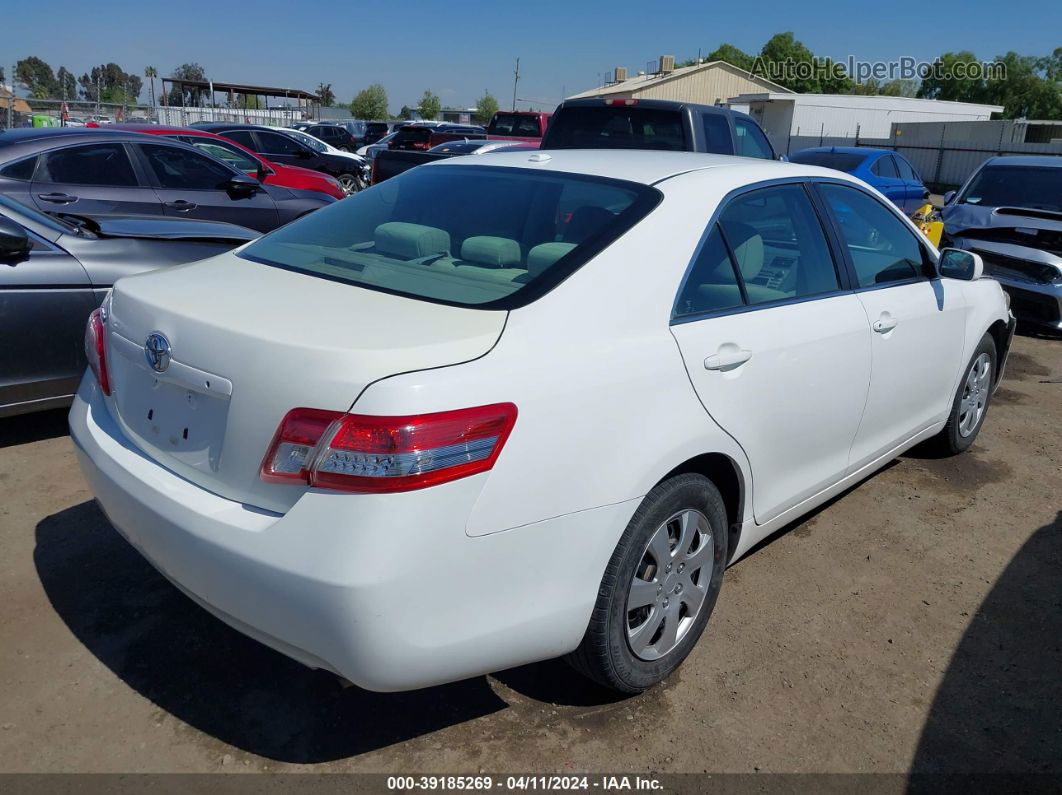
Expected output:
(416, 397)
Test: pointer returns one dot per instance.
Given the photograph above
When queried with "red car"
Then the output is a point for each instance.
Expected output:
(244, 159)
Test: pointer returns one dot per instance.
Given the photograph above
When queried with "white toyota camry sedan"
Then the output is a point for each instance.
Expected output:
(485, 414)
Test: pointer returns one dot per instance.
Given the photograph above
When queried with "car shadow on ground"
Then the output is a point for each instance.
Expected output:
(230, 687)
(26, 428)
(999, 705)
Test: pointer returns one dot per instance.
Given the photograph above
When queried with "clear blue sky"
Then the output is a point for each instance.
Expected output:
(458, 49)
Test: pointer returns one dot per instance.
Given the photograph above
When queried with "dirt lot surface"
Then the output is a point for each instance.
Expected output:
(915, 623)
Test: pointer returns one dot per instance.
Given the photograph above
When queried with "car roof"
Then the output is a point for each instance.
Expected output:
(157, 128)
(34, 139)
(1043, 161)
(226, 125)
(846, 150)
(635, 165)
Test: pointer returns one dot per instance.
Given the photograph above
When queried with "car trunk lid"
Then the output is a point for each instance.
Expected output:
(246, 343)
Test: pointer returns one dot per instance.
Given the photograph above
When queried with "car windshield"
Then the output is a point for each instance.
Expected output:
(499, 238)
(840, 161)
(1038, 188)
(314, 143)
(617, 127)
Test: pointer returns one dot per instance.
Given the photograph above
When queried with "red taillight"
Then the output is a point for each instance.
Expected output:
(96, 350)
(358, 453)
(627, 102)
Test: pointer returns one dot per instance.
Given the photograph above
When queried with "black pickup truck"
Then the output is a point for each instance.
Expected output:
(602, 123)
(628, 124)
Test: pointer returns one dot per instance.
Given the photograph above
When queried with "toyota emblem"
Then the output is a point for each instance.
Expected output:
(157, 352)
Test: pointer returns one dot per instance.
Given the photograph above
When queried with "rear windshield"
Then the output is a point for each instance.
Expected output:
(616, 127)
(412, 134)
(839, 161)
(514, 124)
(480, 236)
(1034, 187)
(376, 128)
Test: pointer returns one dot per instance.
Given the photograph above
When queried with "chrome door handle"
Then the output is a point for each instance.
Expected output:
(57, 198)
(728, 357)
(884, 324)
(181, 205)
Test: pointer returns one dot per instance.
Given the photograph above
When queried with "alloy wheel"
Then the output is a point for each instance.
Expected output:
(670, 584)
(349, 183)
(975, 394)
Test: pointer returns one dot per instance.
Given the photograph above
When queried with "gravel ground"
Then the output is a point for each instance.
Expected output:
(914, 623)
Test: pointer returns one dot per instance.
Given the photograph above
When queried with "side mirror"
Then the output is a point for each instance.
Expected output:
(243, 185)
(954, 263)
(14, 240)
(949, 196)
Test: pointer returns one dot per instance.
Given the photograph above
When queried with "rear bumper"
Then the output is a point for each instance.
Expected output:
(387, 591)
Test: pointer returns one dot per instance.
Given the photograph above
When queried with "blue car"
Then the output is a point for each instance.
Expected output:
(883, 169)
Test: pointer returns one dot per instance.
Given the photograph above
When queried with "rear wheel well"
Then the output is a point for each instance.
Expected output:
(724, 473)
(998, 330)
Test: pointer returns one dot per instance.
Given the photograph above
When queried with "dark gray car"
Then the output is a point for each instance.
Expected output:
(101, 172)
(1010, 212)
(55, 271)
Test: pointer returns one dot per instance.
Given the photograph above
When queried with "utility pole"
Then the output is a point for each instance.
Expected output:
(11, 100)
(516, 79)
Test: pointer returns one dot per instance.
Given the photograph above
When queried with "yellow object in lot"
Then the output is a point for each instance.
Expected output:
(927, 219)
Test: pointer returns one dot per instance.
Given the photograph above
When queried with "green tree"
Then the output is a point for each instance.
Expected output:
(326, 95)
(370, 103)
(1029, 90)
(407, 113)
(732, 55)
(486, 107)
(429, 106)
(36, 76)
(788, 62)
(248, 102)
(65, 84)
(187, 71)
(952, 78)
(151, 73)
(112, 83)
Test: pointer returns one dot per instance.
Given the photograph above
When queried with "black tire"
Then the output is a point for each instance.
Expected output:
(605, 654)
(952, 439)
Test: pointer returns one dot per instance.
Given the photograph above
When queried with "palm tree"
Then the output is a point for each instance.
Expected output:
(151, 73)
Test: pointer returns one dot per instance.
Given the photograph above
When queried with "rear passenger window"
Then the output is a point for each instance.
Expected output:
(712, 283)
(95, 164)
(881, 246)
(751, 142)
(778, 244)
(180, 169)
(23, 169)
(886, 167)
(774, 250)
(717, 134)
(242, 137)
(906, 172)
